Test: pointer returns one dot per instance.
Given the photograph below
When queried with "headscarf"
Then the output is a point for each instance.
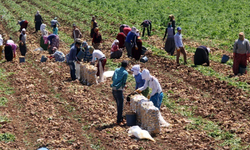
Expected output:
(137, 32)
(145, 75)
(133, 30)
(1, 40)
(115, 41)
(135, 69)
(208, 49)
(37, 13)
(91, 49)
(84, 43)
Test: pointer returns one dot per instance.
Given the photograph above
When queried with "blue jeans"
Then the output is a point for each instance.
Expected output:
(118, 95)
(72, 70)
(157, 99)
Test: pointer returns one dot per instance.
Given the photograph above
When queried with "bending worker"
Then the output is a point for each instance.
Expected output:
(201, 55)
(156, 95)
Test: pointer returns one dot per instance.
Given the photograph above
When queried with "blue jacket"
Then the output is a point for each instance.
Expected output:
(72, 53)
(130, 37)
(139, 81)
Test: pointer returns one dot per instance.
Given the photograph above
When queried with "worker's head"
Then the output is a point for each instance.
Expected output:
(145, 74)
(74, 26)
(116, 42)
(54, 49)
(135, 69)
(91, 49)
(85, 44)
(133, 29)
(96, 30)
(93, 17)
(78, 42)
(124, 63)
(55, 18)
(171, 16)
(23, 30)
(179, 29)
(241, 36)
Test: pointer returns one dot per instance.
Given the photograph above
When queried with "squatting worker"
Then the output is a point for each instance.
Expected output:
(240, 52)
(101, 62)
(119, 81)
(201, 55)
(179, 46)
(156, 95)
(73, 58)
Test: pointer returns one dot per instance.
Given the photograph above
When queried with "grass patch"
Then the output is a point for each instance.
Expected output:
(7, 137)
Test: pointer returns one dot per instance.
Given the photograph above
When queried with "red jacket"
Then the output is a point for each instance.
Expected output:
(121, 37)
(126, 30)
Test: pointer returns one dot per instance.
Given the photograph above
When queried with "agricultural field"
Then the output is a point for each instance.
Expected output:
(206, 107)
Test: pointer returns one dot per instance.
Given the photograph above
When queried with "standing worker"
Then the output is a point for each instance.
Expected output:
(87, 55)
(170, 44)
(119, 81)
(54, 24)
(93, 26)
(128, 40)
(146, 24)
(22, 42)
(201, 55)
(97, 39)
(156, 95)
(101, 62)
(240, 51)
(179, 46)
(38, 21)
(76, 33)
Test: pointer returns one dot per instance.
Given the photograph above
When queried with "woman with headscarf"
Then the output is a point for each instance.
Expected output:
(128, 40)
(10, 50)
(138, 80)
(97, 39)
(53, 41)
(170, 44)
(101, 62)
(172, 20)
(44, 35)
(116, 53)
(58, 55)
(22, 42)
(38, 21)
(156, 95)
(137, 46)
(93, 26)
(201, 55)
(11, 43)
(87, 55)
(23, 24)
(121, 37)
(1, 46)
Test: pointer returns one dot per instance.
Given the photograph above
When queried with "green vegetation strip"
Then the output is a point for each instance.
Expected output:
(7, 137)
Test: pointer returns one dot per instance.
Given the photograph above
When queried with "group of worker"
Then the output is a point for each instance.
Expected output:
(128, 38)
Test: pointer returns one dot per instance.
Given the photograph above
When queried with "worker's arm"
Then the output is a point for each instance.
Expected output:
(165, 34)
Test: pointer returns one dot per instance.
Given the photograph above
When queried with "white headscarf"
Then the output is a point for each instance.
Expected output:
(145, 75)
(1, 40)
(137, 32)
(133, 30)
(37, 13)
(135, 69)
(115, 41)
(208, 49)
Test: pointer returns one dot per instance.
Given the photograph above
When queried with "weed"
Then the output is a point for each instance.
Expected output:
(7, 137)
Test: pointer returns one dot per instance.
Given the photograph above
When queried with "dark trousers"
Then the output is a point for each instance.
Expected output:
(239, 59)
(118, 95)
(144, 31)
(72, 70)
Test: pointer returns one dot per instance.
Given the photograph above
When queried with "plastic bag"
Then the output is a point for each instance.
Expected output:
(77, 66)
(139, 133)
(163, 123)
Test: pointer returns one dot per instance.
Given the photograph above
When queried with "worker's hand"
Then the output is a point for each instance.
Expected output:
(178, 49)
(136, 48)
(138, 91)
(148, 96)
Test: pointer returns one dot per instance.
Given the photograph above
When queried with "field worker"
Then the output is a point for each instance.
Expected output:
(43, 29)
(121, 37)
(119, 81)
(101, 62)
(172, 20)
(146, 24)
(58, 55)
(93, 26)
(54, 22)
(53, 41)
(116, 53)
(179, 46)
(76, 33)
(11, 43)
(201, 55)
(73, 58)
(38, 21)
(1, 46)
(138, 80)
(137, 46)
(170, 44)
(87, 55)
(240, 51)
(23, 24)
(97, 39)
(156, 95)
(122, 27)
(128, 40)
(55, 29)
(44, 35)
(22, 42)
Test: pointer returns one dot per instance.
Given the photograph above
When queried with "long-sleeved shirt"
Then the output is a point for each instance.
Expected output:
(76, 33)
(119, 78)
(97, 54)
(22, 38)
(126, 30)
(87, 55)
(139, 81)
(114, 48)
(54, 22)
(241, 47)
(146, 23)
(72, 53)
(38, 18)
(178, 40)
(121, 37)
(59, 56)
(154, 84)
(130, 37)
